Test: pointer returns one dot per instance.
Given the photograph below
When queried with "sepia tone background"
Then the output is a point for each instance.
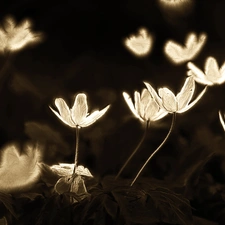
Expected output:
(83, 52)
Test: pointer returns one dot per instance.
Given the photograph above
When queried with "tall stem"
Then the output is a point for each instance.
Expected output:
(163, 142)
(76, 149)
(135, 150)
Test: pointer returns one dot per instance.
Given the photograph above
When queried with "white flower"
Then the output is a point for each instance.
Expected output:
(141, 44)
(145, 107)
(19, 171)
(179, 103)
(212, 75)
(13, 38)
(66, 169)
(178, 54)
(174, 3)
(77, 116)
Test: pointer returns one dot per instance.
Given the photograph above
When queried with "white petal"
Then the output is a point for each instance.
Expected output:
(194, 102)
(154, 94)
(174, 52)
(221, 120)
(203, 80)
(83, 171)
(130, 104)
(186, 93)
(94, 116)
(71, 124)
(159, 115)
(212, 70)
(222, 73)
(80, 109)
(137, 102)
(168, 99)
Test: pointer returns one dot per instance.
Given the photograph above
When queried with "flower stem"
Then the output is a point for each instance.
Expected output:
(163, 142)
(135, 150)
(76, 149)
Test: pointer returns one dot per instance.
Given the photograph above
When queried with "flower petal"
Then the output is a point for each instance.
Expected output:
(168, 99)
(194, 102)
(154, 94)
(151, 109)
(64, 112)
(93, 117)
(212, 70)
(186, 93)
(137, 102)
(203, 80)
(222, 120)
(161, 113)
(80, 109)
(131, 105)
(222, 73)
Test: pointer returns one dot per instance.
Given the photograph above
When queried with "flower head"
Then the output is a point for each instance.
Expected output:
(13, 38)
(179, 103)
(141, 44)
(145, 107)
(213, 75)
(78, 115)
(180, 54)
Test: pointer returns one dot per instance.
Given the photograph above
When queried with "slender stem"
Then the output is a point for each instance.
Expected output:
(76, 149)
(135, 150)
(163, 142)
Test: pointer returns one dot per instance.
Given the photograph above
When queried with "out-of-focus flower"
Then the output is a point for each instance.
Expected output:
(174, 3)
(145, 107)
(14, 38)
(213, 75)
(178, 54)
(66, 169)
(19, 172)
(179, 103)
(140, 44)
(77, 116)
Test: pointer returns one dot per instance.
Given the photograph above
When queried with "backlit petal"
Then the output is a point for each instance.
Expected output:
(186, 93)
(168, 99)
(94, 116)
(212, 70)
(194, 102)
(80, 109)
(130, 104)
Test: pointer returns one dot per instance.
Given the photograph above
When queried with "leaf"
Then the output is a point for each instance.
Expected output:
(63, 185)
(6, 200)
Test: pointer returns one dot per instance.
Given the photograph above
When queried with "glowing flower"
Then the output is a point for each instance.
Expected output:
(178, 54)
(141, 44)
(77, 116)
(13, 38)
(18, 172)
(175, 3)
(213, 75)
(179, 103)
(145, 107)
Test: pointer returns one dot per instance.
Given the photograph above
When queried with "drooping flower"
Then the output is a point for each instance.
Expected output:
(78, 115)
(140, 44)
(178, 54)
(145, 107)
(14, 38)
(66, 169)
(212, 75)
(179, 103)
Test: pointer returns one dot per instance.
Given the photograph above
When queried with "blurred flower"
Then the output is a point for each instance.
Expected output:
(213, 75)
(66, 169)
(77, 116)
(179, 103)
(19, 171)
(179, 54)
(13, 38)
(141, 44)
(145, 107)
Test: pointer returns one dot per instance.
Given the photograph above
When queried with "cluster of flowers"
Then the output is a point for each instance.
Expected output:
(148, 106)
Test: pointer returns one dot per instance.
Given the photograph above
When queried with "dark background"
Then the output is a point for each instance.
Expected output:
(83, 52)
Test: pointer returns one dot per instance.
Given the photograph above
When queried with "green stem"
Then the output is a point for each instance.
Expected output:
(135, 150)
(163, 142)
(76, 149)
